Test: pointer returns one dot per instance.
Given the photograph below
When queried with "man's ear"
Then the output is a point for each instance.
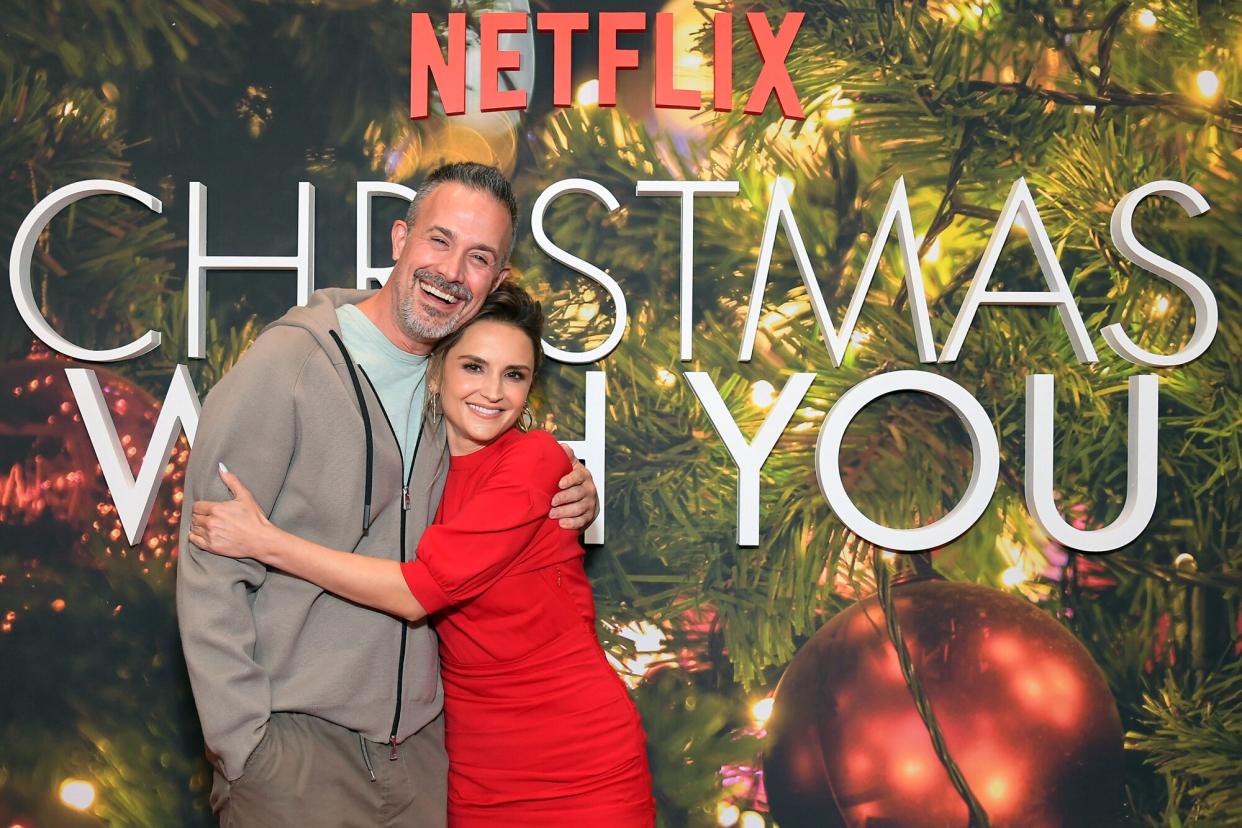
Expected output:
(504, 273)
(400, 233)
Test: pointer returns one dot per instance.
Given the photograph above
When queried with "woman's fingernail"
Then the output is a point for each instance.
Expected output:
(223, 467)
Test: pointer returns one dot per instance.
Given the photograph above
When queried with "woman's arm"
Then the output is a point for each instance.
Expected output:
(456, 560)
(372, 582)
(239, 529)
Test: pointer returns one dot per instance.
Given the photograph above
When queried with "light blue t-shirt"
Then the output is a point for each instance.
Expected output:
(399, 377)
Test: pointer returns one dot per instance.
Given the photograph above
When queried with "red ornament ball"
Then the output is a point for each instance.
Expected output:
(1025, 713)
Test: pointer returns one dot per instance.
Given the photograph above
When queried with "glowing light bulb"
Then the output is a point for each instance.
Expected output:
(1208, 83)
(648, 649)
(842, 110)
(1013, 576)
(763, 394)
(752, 819)
(666, 378)
(1161, 306)
(587, 311)
(761, 711)
(727, 814)
(77, 794)
(933, 253)
(1146, 19)
(588, 93)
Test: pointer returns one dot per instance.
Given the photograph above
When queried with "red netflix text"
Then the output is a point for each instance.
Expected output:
(428, 63)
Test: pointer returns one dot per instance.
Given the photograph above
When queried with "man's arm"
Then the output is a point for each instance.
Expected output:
(248, 422)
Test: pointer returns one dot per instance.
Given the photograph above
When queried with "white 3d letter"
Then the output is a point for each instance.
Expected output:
(1140, 475)
(587, 187)
(687, 191)
(982, 477)
(897, 211)
(200, 262)
(134, 498)
(23, 250)
(590, 449)
(1058, 293)
(366, 191)
(1200, 294)
(751, 456)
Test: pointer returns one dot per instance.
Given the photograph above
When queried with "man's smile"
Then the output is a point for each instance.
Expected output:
(438, 294)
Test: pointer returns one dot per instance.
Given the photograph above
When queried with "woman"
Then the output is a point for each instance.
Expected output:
(538, 727)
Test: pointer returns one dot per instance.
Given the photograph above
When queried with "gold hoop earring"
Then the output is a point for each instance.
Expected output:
(527, 421)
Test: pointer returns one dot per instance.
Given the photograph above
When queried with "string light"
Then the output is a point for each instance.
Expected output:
(588, 93)
(1160, 306)
(763, 394)
(648, 649)
(841, 110)
(77, 794)
(727, 814)
(666, 378)
(761, 711)
(1146, 19)
(1208, 84)
(1013, 576)
(752, 819)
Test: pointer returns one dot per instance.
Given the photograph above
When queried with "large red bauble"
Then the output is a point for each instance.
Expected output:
(1025, 712)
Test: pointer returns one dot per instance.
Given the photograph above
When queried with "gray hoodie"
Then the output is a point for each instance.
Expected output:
(288, 421)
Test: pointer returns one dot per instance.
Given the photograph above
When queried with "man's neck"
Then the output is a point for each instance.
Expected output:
(378, 308)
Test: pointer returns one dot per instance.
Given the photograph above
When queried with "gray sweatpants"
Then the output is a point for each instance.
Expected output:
(310, 772)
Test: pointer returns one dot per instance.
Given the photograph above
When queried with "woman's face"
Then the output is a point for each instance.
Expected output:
(484, 383)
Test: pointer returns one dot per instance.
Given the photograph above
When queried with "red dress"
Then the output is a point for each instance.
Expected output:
(539, 728)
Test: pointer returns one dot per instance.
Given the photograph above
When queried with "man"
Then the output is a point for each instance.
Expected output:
(316, 711)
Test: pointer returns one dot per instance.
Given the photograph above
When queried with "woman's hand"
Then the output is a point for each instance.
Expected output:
(234, 528)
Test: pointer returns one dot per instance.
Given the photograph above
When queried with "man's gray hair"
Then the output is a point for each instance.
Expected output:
(476, 176)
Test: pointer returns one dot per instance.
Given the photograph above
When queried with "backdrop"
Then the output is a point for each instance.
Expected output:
(957, 101)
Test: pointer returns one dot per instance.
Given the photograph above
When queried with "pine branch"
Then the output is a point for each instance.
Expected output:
(1193, 736)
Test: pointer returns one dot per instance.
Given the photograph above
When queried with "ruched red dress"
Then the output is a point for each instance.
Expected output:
(538, 726)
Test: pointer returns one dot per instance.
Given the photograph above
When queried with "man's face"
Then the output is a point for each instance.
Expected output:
(448, 261)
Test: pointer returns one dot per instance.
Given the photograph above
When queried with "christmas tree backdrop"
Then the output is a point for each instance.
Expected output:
(1086, 100)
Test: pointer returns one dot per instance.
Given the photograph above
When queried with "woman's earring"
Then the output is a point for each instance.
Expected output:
(527, 421)
(434, 409)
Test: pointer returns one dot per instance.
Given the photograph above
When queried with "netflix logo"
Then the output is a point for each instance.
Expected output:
(447, 68)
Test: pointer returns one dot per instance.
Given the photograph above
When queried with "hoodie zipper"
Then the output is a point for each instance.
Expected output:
(405, 508)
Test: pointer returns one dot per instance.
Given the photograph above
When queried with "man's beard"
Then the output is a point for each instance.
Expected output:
(423, 325)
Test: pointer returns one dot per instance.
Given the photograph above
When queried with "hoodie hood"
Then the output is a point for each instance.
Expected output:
(318, 316)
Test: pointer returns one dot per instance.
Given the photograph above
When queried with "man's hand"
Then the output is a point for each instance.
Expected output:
(576, 504)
